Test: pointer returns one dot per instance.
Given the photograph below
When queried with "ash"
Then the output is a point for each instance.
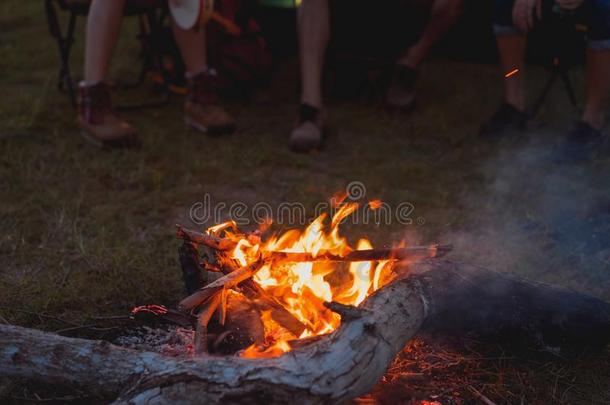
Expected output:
(171, 341)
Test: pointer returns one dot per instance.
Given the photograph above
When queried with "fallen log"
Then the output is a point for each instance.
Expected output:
(335, 368)
(519, 314)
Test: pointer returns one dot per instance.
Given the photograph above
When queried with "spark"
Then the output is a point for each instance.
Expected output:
(511, 73)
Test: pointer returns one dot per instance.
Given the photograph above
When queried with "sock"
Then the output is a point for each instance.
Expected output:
(308, 113)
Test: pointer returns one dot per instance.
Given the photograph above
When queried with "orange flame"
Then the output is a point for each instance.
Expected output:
(302, 288)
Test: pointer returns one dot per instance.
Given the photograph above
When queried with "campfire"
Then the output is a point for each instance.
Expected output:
(287, 289)
(302, 316)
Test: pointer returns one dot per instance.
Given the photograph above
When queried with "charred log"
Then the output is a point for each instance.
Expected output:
(503, 308)
(192, 273)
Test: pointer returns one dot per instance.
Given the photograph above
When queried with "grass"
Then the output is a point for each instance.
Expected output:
(89, 233)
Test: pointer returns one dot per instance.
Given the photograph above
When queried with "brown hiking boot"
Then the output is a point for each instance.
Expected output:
(309, 132)
(98, 122)
(201, 109)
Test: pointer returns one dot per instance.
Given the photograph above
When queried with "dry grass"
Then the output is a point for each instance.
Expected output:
(462, 371)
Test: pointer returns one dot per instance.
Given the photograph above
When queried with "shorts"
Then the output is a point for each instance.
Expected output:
(594, 14)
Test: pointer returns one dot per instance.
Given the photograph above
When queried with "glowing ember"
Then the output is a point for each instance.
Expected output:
(302, 288)
(511, 73)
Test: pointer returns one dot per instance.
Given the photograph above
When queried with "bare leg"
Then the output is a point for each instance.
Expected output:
(314, 32)
(103, 27)
(192, 47)
(512, 55)
(443, 15)
(598, 87)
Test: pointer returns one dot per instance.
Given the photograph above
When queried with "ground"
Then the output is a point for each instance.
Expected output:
(88, 234)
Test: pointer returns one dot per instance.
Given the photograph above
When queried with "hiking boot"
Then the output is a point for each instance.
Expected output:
(309, 131)
(401, 93)
(506, 119)
(201, 109)
(99, 123)
(582, 143)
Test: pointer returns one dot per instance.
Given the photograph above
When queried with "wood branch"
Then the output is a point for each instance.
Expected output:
(265, 301)
(407, 253)
(335, 368)
(227, 281)
(211, 241)
(346, 311)
(203, 319)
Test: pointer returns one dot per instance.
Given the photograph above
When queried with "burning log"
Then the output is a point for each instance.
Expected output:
(412, 252)
(266, 302)
(203, 318)
(227, 281)
(251, 290)
(211, 241)
(407, 253)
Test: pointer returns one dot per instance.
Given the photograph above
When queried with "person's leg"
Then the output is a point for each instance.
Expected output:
(510, 118)
(192, 47)
(102, 34)
(401, 93)
(313, 32)
(443, 14)
(511, 48)
(96, 118)
(597, 13)
(201, 109)
(598, 87)
(585, 139)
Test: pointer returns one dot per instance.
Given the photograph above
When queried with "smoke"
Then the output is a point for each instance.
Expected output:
(539, 219)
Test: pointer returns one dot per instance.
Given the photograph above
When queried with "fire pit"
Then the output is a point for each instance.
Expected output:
(284, 291)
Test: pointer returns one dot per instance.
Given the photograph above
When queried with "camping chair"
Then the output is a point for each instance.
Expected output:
(151, 13)
(562, 43)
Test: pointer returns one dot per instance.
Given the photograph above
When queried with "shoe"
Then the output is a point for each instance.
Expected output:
(505, 120)
(201, 109)
(401, 93)
(582, 143)
(309, 131)
(99, 123)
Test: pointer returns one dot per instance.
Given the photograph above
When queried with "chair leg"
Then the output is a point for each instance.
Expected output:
(544, 93)
(67, 74)
(570, 90)
(64, 44)
(155, 24)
